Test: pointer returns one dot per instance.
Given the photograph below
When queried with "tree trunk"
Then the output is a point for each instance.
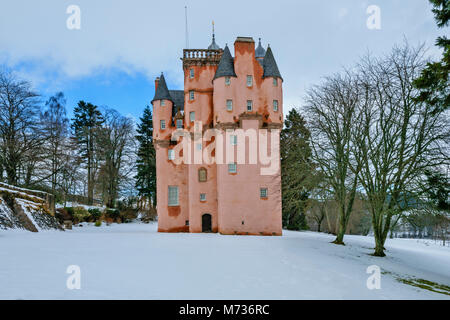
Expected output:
(341, 229)
(90, 184)
(379, 247)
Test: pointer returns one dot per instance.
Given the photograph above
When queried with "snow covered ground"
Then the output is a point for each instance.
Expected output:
(133, 261)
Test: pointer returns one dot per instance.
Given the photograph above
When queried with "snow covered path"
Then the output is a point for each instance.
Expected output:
(133, 261)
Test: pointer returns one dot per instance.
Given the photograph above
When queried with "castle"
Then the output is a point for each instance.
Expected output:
(221, 93)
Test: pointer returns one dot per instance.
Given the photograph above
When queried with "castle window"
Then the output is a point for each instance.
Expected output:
(187, 223)
(202, 197)
(263, 193)
(191, 95)
(171, 154)
(173, 196)
(199, 146)
(275, 105)
(232, 168)
(192, 116)
(229, 105)
(191, 73)
(249, 105)
(233, 140)
(227, 81)
(202, 175)
(179, 123)
(162, 124)
(249, 81)
(275, 82)
(163, 103)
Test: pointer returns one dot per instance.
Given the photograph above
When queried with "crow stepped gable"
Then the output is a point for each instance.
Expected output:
(223, 92)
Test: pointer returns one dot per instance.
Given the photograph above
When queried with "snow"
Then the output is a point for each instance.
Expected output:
(25, 206)
(133, 261)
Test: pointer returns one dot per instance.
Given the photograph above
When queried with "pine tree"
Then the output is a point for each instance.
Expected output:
(434, 84)
(297, 171)
(146, 158)
(85, 125)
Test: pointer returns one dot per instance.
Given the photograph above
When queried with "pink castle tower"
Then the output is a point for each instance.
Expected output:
(227, 94)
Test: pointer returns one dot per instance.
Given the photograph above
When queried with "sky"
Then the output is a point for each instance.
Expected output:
(121, 46)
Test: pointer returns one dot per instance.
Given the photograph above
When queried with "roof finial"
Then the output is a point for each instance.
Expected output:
(213, 45)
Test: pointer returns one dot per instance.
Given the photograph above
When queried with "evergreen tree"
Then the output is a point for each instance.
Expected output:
(146, 158)
(437, 190)
(434, 82)
(88, 119)
(297, 171)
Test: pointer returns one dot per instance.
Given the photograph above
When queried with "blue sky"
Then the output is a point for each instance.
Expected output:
(123, 45)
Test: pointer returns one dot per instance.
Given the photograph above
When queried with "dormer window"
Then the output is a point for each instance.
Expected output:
(227, 81)
(191, 95)
(249, 105)
(191, 73)
(249, 81)
(275, 82)
(163, 103)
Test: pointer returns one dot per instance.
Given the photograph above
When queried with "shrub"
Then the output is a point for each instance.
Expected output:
(9, 199)
(98, 223)
(70, 211)
(112, 213)
(95, 213)
(128, 215)
(80, 214)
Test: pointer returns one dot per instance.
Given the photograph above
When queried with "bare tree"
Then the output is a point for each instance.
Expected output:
(19, 130)
(401, 138)
(332, 112)
(115, 147)
(55, 134)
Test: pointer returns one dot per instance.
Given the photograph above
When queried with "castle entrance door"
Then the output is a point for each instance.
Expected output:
(206, 223)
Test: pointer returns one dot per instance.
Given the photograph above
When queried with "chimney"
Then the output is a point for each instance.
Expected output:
(156, 83)
(244, 45)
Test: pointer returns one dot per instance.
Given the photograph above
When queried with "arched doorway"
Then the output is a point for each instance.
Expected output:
(206, 223)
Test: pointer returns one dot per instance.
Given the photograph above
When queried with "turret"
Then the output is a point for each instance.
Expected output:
(162, 110)
(260, 52)
(250, 84)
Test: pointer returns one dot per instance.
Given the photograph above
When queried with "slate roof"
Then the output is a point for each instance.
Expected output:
(162, 93)
(226, 65)
(213, 45)
(177, 97)
(260, 52)
(270, 65)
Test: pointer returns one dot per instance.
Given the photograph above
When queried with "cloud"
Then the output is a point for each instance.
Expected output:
(140, 36)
